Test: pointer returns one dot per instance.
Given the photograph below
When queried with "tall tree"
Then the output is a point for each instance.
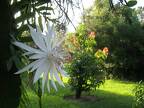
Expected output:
(9, 83)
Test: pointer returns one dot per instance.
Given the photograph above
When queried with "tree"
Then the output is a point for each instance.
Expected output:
(10, 83)
(121, 31)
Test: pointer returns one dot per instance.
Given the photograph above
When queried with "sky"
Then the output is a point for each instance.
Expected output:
(76, 17)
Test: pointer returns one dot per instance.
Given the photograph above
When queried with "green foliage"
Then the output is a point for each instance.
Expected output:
(139, 95)
(131, 3)
(27, 15)
(86, 73)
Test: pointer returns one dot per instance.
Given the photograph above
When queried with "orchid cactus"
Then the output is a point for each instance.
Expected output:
(47, 56)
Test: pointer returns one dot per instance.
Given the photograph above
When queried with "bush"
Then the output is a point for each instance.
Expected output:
(139, 95)
(86, 69)
(86, 74)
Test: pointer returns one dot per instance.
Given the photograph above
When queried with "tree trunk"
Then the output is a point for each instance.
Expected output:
(78, 93)
(9, 82)
(79, 88)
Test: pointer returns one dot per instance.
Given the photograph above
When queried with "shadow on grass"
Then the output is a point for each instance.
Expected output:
(105, 100)
(112, 100)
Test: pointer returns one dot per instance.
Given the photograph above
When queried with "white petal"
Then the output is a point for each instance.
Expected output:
(37, 64)
(52, 79)
(41, 69)
(26, 47)
(48, 83)
(58, 43)
(38, 56)
(43, 81)
(26, 68)
(45, 76)
(48, 42)
(38, 39)
(58, 78)
(54, 85)
(37, 75)
(63, 73)
(38, 28)
(51, 32)
(50, 36)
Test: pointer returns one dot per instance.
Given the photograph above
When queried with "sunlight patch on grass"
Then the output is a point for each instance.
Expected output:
(118, 87)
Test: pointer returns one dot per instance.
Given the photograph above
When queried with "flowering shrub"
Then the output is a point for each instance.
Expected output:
(86, 69)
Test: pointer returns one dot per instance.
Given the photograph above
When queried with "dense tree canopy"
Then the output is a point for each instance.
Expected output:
(121, 32)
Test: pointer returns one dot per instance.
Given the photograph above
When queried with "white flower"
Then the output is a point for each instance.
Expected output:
(47, 57)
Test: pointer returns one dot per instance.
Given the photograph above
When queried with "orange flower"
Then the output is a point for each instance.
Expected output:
(92, 35)
(105, 50)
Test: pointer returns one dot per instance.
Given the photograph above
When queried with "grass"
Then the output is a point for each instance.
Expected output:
(113, 94)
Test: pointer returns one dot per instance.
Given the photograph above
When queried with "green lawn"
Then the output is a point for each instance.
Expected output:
(113, 94)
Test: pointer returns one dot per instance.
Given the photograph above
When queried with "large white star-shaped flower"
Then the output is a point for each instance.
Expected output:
(47, 58)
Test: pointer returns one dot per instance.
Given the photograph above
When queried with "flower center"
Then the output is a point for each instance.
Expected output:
(50, 56)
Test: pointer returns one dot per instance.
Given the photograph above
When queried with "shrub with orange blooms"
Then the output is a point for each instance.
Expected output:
(105, 50)
(71, 43)
(102, 54)
(99, 54)
(86, 71)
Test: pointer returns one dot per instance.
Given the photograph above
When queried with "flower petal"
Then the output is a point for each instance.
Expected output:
(45, 77)
(57, 77)
(48, 43)
(48, 83)
(41, 69)
(52, 79)
(38, 39)
(37, 64)
(26, 68)
(26, 47)
(62, 72)
(38, 56)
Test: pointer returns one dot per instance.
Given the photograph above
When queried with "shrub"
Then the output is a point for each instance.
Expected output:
(87, 71)
(139, 95)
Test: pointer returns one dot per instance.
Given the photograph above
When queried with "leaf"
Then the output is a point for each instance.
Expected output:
(23, 28)
(9, 64)
(40, 3)
(19, 6)
(46, 13)
(132, 3)
(25, 39)
(40, 22)
(24, 17)
(42, 8)
(15, 57)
